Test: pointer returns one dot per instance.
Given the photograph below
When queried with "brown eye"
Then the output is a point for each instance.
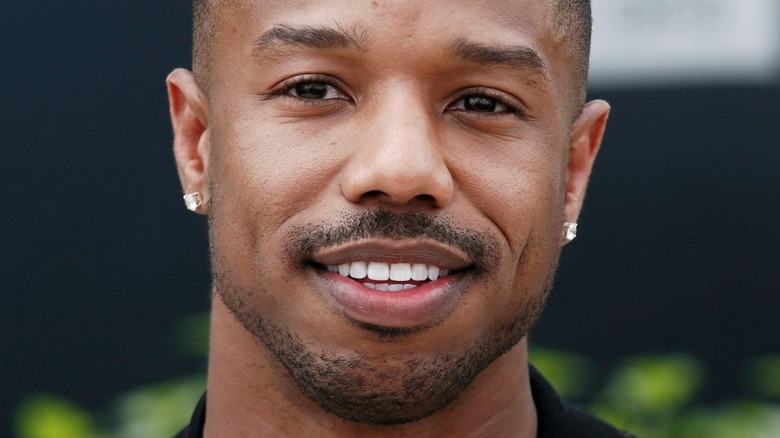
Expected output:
(480, 104)
(484, 103)
(311, 90)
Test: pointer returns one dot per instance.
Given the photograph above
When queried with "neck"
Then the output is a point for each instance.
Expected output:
(250, 394)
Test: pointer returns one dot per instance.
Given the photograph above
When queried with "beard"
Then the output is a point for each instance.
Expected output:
(383, 389)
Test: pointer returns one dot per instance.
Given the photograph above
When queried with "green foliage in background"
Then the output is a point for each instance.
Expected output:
(650, 396)
(151, 411)
(656, 396)
(42, 416)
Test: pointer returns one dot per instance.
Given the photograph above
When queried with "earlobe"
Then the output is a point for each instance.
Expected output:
(191, 148)
(587, 133)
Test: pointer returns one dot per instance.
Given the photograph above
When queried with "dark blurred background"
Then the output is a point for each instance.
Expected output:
(678, 246)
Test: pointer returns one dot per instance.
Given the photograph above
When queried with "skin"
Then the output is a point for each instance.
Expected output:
(398, 132)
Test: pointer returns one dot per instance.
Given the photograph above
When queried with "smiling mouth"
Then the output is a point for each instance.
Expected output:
(389, 277)
(393, 284)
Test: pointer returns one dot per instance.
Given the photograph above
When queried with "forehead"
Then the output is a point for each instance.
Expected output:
(402, 34)
(509, 11)
(407, 22)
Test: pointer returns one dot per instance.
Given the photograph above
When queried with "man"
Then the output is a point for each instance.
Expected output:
(388, 186)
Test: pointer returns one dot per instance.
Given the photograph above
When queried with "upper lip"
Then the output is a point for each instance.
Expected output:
(428, 252)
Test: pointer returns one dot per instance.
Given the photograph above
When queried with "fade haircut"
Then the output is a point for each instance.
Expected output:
(205, 16)
(573, 22)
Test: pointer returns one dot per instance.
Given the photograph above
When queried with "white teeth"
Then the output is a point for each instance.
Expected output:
(357, 270)
(433, 272)
(419, 272)
(400, 272)
(395, 287)
(381, 271)
(378, 271)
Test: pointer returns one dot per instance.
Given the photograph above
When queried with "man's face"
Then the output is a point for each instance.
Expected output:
(386, 186)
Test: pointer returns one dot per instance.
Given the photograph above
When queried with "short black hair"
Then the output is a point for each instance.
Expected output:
(204, 33)
(573, 21)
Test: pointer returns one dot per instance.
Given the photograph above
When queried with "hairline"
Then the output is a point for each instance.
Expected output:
(573, 22)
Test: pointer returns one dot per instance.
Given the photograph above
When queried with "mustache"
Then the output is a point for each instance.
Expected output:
(480, 247)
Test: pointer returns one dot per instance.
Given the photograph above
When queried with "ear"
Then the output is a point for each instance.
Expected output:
(191, 148)
(587, 132)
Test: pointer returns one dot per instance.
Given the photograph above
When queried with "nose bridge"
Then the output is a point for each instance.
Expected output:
(399, 156)
(404, 141)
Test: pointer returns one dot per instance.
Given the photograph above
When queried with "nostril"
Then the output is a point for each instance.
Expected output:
(374, 181)
(373, 196)
(423, 198)
(426, 198)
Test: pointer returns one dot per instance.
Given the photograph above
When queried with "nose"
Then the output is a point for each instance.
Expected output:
(398, 157)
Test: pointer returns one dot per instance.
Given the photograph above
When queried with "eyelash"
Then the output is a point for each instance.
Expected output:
(512, 107)
(283, 90)
(288, 85)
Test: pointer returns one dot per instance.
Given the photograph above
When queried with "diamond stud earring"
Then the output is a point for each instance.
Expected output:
(569, 231)
(193, 201)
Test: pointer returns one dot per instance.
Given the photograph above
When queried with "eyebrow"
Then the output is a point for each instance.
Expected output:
(282, 37)
(514, 56)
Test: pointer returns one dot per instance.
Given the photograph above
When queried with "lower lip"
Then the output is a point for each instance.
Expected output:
(421, 306)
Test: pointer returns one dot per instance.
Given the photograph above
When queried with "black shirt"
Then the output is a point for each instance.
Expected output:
(556, 418)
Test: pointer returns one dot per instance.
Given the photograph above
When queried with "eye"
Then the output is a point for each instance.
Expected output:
(315, 91)
(486, 102)
(482, 104)
(310, 88)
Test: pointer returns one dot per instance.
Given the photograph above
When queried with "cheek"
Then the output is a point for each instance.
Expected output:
(270, 172)
(520, 188)
(264, 179)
